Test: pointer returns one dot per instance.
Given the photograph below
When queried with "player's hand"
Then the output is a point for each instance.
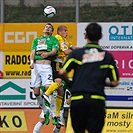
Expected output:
(32, 65)
(44, 54)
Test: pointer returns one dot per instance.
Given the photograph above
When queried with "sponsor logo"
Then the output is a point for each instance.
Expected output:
(8, 86)
(92, 55)
(12, 121)
(18, 37)
(120, 33)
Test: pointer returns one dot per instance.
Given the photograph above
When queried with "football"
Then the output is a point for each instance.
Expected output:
(49, 11)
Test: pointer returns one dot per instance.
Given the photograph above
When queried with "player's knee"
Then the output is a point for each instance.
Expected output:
(42, 121)
(36, 91)
(59, 81)
(60, 91)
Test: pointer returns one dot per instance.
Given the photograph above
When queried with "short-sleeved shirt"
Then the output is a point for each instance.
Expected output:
(65, 44)
(44, 44)
(92, 65)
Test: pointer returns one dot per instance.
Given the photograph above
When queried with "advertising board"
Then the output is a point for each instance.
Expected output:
(16, 93)
(19, 37)
(1, 37)
(115, 36)
(1, 65)
(16, 64)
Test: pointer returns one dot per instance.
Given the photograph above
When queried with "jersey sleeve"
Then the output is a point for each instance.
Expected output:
(69, 63)
(113, 73)
(34, 43)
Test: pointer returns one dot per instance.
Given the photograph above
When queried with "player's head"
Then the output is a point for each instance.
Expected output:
(62, 30)
(93, 32)
(48, 29)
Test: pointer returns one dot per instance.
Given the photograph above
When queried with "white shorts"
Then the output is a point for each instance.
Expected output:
(41, 75)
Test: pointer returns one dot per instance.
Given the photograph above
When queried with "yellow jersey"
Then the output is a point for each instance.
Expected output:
(64, 45)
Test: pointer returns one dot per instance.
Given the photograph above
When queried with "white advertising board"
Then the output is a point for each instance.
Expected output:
(122, 95)
(115, 36)
(16, 93)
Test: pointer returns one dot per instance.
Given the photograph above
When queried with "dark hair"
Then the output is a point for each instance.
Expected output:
(94, 31)
(51, 26)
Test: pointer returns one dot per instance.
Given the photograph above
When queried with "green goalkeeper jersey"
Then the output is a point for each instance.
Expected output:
(44, 44)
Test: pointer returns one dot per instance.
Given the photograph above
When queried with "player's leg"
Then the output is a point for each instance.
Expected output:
(96, 116)
(56, 129)
(38, 126)
(47, 79)
(78, 113)
(59, 97)
(56, 84)
(59, 102)
(35, 85)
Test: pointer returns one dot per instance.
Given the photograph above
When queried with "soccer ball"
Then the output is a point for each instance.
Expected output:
(49, 11)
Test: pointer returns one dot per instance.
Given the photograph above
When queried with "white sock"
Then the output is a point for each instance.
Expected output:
(52, 105)
(56, 130)
(37, 127)
(40, 100)
(41, 103)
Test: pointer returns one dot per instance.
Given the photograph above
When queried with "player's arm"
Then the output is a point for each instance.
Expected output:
(111, 83)
(67, 67)
(32, 59)
(113, 76)
(64, 76)
(48, 54)
(66, 52)
(55, 48)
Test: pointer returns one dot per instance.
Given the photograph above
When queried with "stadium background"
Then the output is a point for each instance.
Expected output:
(23, 20)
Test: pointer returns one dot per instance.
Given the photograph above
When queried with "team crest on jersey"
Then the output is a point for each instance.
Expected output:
(42, 41)
(92, 55)
(64, 44)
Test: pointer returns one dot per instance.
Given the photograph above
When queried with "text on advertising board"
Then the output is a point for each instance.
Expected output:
(18, 37)
(115, 33)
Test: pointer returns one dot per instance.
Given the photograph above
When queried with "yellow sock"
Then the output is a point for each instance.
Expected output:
(52, 88)
(59, 100)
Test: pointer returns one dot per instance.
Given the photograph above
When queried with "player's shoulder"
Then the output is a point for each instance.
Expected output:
(53, 37)
(77, 50)
(58, 36)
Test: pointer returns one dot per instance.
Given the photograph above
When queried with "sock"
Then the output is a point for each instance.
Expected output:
(40, 100)
(56, 130)
(59, 100)
(52, 105)
(37, 127)
(52, 88)
(42, 104)
(43, 89)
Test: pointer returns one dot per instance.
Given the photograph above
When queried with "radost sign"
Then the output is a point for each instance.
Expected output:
(16, 64)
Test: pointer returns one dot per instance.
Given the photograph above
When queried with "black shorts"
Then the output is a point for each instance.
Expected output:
(87, 114)
(55, 68)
